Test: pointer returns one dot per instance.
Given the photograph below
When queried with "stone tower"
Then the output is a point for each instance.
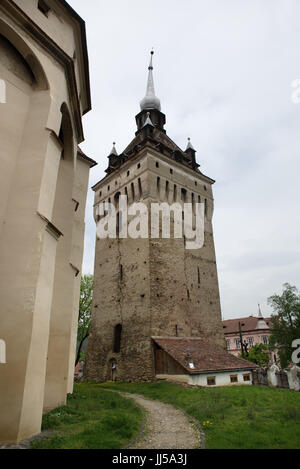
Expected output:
(151, 287)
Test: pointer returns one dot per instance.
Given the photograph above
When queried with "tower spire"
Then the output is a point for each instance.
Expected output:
(150, 101)
(113, 150)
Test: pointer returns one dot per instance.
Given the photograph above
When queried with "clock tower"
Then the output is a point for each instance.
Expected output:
(150, 287)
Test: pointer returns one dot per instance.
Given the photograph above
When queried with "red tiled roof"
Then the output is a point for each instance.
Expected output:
(205, 355)
(248, 324)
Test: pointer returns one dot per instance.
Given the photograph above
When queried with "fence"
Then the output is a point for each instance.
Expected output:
(273, 376)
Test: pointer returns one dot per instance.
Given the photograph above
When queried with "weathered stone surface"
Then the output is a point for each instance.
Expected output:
(162, 288)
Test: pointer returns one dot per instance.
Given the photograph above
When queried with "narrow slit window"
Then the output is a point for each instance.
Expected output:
(132, 191)
(140, 187)
(158, 184)
(175, 192)
(199, 278)
(117, 338)
(118, 223)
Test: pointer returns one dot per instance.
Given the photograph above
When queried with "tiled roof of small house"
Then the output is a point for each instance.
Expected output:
(204, 355)
(248, 324)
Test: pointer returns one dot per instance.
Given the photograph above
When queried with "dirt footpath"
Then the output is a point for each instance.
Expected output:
(165, 427)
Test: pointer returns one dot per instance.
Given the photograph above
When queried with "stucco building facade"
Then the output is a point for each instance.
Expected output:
(253, 329)
(43, 185)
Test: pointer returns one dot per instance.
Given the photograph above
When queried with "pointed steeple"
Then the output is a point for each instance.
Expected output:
(113, 158)
(148, 120)
(150, 101)
(113, 150)
(261, 323)
(189, 145)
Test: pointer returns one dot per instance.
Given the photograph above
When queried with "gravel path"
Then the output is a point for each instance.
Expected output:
(166, 427)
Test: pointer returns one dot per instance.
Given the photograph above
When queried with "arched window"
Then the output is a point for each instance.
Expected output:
(117, 338)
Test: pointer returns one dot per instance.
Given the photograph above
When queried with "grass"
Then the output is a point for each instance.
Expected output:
(92, 419)
(233, 417)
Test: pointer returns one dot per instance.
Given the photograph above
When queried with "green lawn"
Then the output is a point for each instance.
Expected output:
(240, 416)
(92, 419)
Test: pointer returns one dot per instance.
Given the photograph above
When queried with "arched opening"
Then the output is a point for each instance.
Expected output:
(29, 60)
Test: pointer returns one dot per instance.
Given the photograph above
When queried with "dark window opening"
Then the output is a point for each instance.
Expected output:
(121, 272)
(183, 194)
(132, 191)
(211, 381)
(246, 377)
(117, 198)
(117, 338)
(167, 187)
(118, 223)
(171, 171)
(43, 7)
(157, 164)
(199, 279)
(175, 192)
(139, 165)
(158, 184)
(233, 378)
(140, 187)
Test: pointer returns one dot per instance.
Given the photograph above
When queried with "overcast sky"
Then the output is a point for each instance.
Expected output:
(223, 72)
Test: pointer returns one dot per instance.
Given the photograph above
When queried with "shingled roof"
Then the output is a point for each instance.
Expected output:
(248, 324)
(205, 355)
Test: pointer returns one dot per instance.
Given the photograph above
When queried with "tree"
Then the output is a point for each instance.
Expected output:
(85, 310)
(258, 354)
(285, 323)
